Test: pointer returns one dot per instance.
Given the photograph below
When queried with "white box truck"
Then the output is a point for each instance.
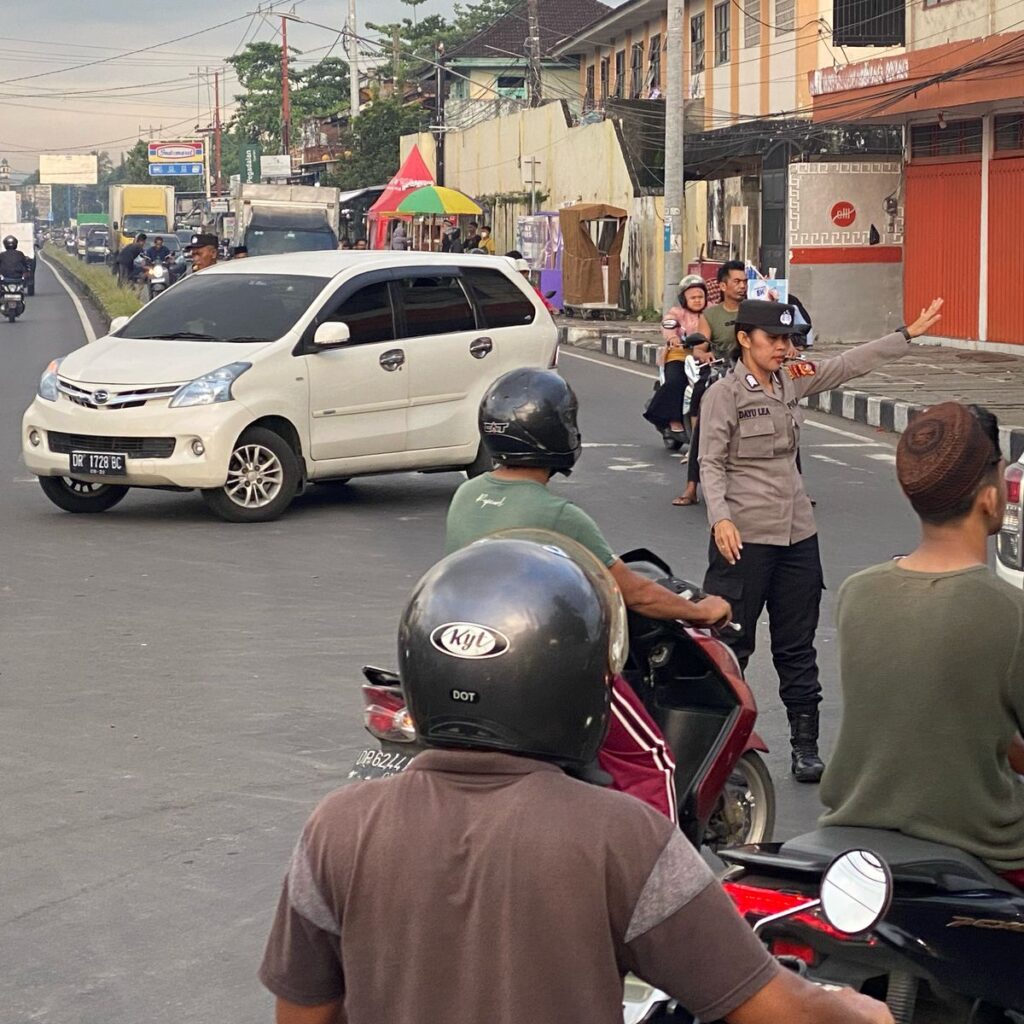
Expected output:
(271, 219)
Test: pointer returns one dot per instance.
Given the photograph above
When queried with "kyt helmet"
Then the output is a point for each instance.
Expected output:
(10, 242)
(528, 419)
(692, 281)
(510, 644)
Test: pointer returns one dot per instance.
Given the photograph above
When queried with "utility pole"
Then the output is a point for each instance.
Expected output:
(535, 89)
(396, 61)
(353, 62)
(216, 127)
(675, 188)
(286, 98)
(439, 114)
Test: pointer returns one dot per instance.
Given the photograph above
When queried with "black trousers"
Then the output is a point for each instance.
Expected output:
(667, 404)
(789, 580)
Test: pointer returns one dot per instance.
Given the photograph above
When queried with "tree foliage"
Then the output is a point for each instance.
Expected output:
(371, 143)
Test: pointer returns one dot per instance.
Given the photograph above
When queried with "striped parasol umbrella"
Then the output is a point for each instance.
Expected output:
(438, 201)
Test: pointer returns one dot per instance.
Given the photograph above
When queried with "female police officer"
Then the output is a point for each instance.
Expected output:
(764, 547)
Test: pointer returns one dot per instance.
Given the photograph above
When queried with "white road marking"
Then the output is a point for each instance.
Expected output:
(90, 334)
(837, 430)
(829, 460)
(633, 465)
(882, 456)
(844, 444)
(608, 444)
(610, 366)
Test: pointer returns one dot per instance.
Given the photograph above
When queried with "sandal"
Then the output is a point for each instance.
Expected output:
(684, 499)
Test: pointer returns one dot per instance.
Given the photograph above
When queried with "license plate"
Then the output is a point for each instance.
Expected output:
(379, 764)
(98, 463)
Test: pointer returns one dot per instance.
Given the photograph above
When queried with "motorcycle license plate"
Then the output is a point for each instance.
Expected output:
(378, 764)
(98, 463)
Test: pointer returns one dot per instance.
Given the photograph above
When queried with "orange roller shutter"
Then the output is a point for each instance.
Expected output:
(1005, 250)
(942, 244)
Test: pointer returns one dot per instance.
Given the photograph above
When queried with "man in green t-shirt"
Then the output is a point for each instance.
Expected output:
(732, 282)
(931, 651)
(528, 423)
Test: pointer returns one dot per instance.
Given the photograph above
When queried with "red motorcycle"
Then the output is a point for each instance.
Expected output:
(692, 686)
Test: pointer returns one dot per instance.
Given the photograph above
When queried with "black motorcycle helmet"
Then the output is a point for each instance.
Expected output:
(510, 644)
(528, 419)
(10, 242)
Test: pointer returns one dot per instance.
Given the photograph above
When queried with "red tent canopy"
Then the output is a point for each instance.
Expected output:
(413, 174)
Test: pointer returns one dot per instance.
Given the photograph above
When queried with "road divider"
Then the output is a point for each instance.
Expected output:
(98, 284)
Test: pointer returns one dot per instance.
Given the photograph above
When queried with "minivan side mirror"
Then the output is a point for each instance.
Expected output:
(117, 323)
(331, 334)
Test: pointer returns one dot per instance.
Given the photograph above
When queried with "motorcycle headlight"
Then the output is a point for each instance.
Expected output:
(211, 388)
(158, 273)
(48, 382)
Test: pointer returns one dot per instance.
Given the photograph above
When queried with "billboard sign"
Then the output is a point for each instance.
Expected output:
(276, 166)
(67, 169)
(189, 151)
(166, 170)
(251, 155)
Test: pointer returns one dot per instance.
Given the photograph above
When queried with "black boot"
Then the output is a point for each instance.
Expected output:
(807, 766)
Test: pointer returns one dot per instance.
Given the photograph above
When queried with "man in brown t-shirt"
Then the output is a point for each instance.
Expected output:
(484, 885)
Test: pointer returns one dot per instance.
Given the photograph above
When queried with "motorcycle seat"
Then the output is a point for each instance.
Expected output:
(910, 860)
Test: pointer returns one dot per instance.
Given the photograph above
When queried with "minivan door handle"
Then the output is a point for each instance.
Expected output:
(392, 359)
(479, 348)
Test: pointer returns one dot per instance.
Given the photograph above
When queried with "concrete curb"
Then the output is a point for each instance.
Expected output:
(889, 414)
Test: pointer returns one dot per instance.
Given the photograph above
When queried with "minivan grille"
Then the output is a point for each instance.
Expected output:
(133, 447)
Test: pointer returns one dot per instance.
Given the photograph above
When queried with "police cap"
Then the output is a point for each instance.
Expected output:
(773, 317)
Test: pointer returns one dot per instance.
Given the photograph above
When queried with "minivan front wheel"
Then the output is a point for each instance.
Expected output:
(263, 476)
(81, 495)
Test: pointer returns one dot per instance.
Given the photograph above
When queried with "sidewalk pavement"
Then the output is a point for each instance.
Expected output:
(884, 398)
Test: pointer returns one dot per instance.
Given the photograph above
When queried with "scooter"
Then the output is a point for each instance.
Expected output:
(692, 686)
(12, 298)
(950, 947)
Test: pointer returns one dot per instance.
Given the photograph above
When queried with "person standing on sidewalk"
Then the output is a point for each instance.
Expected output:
(764, 544)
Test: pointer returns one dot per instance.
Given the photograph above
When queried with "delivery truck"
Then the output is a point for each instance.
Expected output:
(135, 208)
(272, 219)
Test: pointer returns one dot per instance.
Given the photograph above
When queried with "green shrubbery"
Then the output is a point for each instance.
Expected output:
(98, 282)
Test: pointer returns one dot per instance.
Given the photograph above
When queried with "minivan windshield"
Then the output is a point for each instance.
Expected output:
(226, 307)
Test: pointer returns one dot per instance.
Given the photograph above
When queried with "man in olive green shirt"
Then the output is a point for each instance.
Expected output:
(732, 280)
(932, 661)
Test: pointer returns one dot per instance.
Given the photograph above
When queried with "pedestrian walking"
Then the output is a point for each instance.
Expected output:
(764, 544)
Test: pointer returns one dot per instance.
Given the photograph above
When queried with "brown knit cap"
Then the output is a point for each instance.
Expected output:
(942, 457)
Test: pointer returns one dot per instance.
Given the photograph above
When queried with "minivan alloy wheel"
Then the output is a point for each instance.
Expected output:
(255, 476)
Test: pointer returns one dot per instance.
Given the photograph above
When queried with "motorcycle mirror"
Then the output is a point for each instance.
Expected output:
(856, 891)
(669, 324)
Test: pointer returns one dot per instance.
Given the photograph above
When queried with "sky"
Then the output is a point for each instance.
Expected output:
(51, 106)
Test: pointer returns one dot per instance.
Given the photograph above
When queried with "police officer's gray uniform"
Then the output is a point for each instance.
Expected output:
(750, 438)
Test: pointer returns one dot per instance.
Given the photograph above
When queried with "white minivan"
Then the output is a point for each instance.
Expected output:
(254, 377)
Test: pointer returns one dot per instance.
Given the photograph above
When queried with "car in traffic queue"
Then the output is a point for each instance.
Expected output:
(253, 378)
(1010, 540)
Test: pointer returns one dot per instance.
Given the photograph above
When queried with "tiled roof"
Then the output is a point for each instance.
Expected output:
(558, 19)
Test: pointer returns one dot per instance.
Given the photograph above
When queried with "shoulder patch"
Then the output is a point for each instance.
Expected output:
(801, 369)
(751, 381)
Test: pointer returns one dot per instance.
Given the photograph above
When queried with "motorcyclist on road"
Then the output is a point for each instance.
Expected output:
(157, 252)
(486, 884)
(528, 424)
(14, 264)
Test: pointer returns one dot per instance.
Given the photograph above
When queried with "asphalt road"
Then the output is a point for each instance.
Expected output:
(176, 693)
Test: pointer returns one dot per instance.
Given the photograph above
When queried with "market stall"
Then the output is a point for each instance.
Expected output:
(592, 238)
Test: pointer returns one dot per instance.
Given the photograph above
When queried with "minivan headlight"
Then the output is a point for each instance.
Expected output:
(211, 388)
(48, 382)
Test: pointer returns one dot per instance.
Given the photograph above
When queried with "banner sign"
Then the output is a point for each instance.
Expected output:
(251, 164)
(165, 170)
(176, 152)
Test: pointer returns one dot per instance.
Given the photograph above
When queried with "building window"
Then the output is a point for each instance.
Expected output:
(1009, 132)
(785, 16)
(620, 74)
(722, 32)
(512, 87)
(588, 98)
(957, 138)
(752, 23)
(696, 43)
(869, 22)
(605, 69)
(636, 71)
(654, 68)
